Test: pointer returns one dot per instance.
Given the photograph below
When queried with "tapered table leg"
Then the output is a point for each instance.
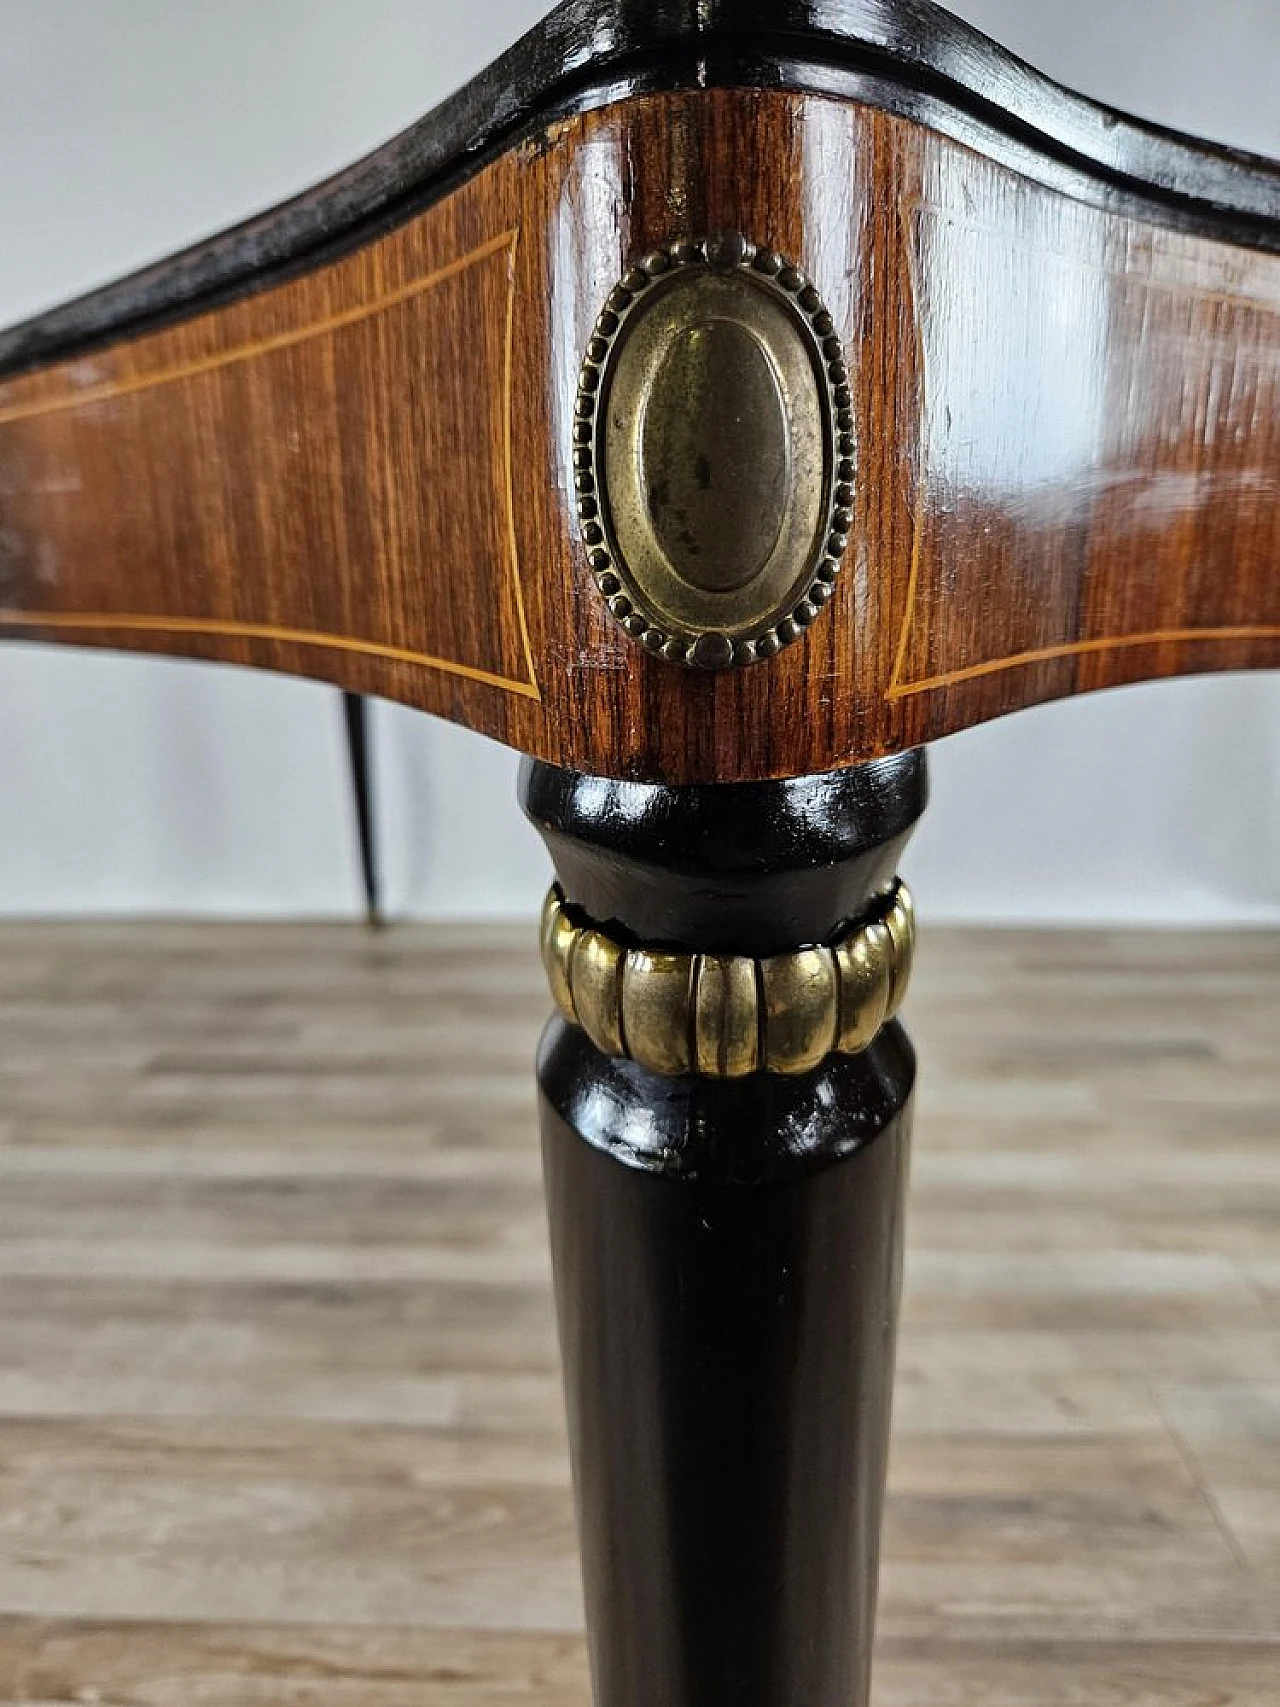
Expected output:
(726, 1218)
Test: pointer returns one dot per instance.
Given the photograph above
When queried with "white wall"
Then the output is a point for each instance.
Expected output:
(129, 127)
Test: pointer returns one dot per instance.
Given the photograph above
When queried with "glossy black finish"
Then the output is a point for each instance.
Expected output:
(355, 711)
(737, 868)
(727, 1257)
(907, 56)
(769, 1129)
(728, 1351)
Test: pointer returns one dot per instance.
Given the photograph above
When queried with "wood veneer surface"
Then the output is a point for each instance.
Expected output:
(1068, 423)
(280, 1418)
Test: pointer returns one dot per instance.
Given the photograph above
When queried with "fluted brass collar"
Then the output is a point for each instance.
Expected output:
(724, 1016)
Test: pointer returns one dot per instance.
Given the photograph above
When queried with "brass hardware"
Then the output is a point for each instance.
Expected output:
(724, 1016)
(726, 1025)
(864, 966)
(714, 452)
(595, 972)
(800, 997)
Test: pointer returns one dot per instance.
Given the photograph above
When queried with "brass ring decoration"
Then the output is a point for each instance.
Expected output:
(723, 1016)
(713, 452)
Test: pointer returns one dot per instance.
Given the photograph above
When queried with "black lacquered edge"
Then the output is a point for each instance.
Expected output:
(907, 56)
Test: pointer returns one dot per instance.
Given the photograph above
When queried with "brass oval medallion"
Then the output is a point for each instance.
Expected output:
(714, 453)
(715, 513)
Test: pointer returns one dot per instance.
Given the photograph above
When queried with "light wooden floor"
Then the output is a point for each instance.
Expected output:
(279, 1413)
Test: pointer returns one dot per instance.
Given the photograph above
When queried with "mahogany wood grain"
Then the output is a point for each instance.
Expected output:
(1068, 477)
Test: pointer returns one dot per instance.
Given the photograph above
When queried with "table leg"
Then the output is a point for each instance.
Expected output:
(727, 1242)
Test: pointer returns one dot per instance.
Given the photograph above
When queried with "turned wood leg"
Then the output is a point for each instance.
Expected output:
(727, 1240)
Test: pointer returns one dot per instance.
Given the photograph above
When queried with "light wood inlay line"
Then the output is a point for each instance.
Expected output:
(153, 623)
(911, 209)
(131, 384)
(509, 465)
(1077, 648)
(91, 620)
(906, 212)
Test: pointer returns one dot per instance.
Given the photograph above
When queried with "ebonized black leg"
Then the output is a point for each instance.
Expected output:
(727, 1249)
(355, 710)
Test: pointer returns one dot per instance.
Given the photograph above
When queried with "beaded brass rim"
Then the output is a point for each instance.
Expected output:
(723, 1016)
(715, 342)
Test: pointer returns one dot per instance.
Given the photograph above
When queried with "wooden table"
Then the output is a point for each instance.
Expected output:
(670, 405)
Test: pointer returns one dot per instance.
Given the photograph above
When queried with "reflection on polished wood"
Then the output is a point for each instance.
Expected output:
(280, 1417)
(1067, 421)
